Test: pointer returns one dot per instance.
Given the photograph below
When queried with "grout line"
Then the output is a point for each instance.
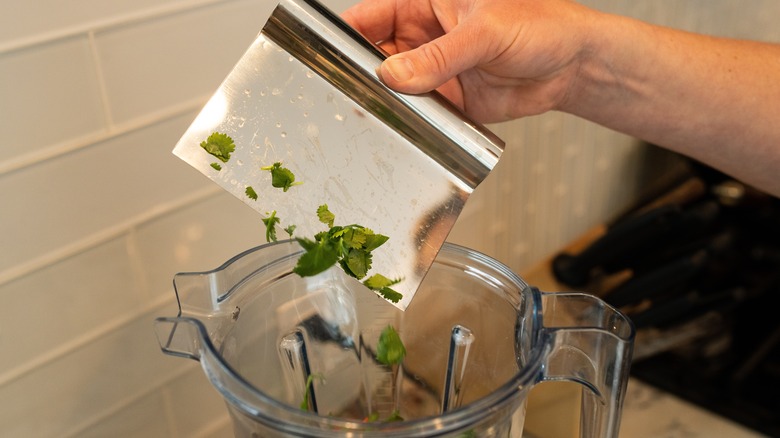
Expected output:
(80, 341)
(170, 417)
(101, 79)
(59, 149)
(79, 429)
(103, 236)
(214, 426)
(98, 25)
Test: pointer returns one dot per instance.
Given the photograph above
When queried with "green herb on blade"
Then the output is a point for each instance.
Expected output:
(219, 145)
(381, 284)
(281, 177)
(251, 193)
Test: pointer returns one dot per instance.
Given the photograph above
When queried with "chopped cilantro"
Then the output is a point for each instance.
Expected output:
(350, 246)
(371, 418)
(219, 145)
(390, 350)
(251, 193)
(216, 166)
(381, 284)
(357, 262)
(394, 416)
(281, 177)
(319, 256)
(326, 217)
(270, 227)
(307, 390)
(290, 229)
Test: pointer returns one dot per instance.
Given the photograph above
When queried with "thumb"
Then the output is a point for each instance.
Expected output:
(432, 64)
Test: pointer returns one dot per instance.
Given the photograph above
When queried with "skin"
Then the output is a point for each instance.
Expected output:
(714, 99)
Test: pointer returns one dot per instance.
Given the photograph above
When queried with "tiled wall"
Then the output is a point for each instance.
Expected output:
(96, 215)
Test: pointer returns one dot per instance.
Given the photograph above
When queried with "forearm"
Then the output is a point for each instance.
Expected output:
(715, 100)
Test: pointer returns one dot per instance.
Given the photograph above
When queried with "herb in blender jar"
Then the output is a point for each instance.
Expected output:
(307, 390)
(390, 350)
(251, 193)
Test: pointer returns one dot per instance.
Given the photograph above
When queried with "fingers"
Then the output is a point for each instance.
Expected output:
(374, 19)
(432, 64)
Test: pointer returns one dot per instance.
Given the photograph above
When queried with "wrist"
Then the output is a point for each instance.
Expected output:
(609, 68)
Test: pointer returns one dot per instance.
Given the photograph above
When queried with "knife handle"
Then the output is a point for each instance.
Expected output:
(574, 269)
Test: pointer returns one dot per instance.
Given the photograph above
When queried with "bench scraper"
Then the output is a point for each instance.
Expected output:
(306, 93)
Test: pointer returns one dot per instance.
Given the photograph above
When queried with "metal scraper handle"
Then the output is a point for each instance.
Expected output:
(338, 53)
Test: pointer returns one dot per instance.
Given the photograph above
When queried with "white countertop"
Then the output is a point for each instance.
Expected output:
(650, 412)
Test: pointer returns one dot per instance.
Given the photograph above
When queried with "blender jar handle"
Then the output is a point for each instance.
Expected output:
(589, 342)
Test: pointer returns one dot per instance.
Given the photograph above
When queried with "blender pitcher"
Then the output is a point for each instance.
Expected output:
(297, 357)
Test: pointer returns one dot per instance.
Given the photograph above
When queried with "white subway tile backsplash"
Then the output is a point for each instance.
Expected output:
(77, 195)
(220, 430)
(143, 418)
(79, 355)
(48, 94)
(30, 19)
(67, 394)
(197, 238)
(162, 62)
(195, 404)
(65, 301)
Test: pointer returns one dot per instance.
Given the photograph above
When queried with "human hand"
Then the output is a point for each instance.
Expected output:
(496, 59)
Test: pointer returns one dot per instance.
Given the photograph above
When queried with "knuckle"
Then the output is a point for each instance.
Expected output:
(435, 57)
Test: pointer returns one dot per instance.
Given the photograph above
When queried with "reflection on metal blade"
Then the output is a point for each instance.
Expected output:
(306, 94)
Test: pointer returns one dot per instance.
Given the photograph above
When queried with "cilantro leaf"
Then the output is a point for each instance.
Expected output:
(325, 216)
(357, 263)
(281, 177)
(374, 241)
(381, 285)
(219, 145)
(319, 256)
(390, 294)
(390, 350)
(394, 416)
(270, 227)
(350, 246)
(251, 193)
(307, 390)
(216, 166)
(379, 281)
(355, 237)
(290, 229)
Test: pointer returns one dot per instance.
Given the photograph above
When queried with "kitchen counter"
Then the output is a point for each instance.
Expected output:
(553, 408)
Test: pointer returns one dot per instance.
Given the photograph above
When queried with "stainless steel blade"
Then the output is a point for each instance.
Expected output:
(306, 94)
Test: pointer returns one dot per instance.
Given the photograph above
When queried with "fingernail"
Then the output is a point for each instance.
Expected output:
(399, 68)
